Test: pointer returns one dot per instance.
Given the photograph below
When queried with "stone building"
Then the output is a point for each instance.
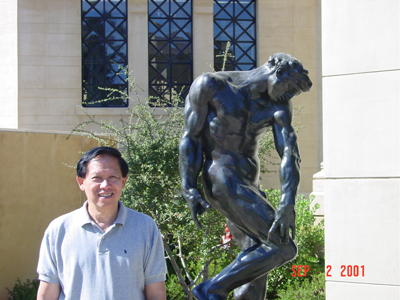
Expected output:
(54, 54)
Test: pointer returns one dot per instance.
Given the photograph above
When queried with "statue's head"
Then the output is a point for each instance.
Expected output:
(288, 77)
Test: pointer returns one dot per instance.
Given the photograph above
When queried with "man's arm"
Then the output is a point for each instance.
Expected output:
(48, 291)
(155, 291)
(289, 173)
(190, 148)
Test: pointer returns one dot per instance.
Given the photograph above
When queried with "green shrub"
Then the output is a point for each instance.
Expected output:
(310, 242)
(24, 290)
(308, 289)
(174, 289)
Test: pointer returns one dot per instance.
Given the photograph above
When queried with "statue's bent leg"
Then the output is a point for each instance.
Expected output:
(250, 264)
(256, 289)
(248, 209)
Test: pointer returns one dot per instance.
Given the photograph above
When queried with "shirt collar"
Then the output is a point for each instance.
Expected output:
(122, 213)
(84, 217)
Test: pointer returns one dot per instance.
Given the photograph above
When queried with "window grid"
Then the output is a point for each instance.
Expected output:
(235, 22)
(170, 48)
(104, 50)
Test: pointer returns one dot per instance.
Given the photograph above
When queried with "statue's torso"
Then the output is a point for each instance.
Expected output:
(233, 128)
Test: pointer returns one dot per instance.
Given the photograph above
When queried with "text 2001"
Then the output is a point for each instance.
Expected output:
(347, 271)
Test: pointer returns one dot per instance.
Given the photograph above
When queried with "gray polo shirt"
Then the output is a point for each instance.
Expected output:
(90, 264)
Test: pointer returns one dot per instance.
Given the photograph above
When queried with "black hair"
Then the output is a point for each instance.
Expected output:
(81, 167)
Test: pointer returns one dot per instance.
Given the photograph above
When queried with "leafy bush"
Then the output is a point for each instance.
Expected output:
(310, 289)
(310, 242)
(174, 289)
(24, 290)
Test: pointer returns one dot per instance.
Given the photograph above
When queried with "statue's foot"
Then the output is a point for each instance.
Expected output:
(201, 293)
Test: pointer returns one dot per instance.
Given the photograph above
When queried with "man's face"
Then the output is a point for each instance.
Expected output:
(103, 183)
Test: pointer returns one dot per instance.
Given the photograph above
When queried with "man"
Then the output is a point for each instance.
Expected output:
(225, 115)
(102, 251)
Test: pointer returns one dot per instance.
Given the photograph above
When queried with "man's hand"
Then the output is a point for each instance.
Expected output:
(285, 218)
(196, 204)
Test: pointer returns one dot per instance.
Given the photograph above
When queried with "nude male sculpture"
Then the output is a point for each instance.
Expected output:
(225, 115)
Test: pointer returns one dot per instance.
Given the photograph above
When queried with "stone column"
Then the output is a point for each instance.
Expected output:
(318, 193)
(138, 57)
(203, 37)
(361, 112)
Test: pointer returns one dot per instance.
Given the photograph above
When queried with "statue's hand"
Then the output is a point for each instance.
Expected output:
(196, 204)
(285, 218)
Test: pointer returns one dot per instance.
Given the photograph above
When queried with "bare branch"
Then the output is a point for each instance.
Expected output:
(186, 289)
(184, 262)
(201, 272)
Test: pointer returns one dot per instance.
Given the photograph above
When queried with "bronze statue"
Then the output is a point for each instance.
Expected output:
(225, 115)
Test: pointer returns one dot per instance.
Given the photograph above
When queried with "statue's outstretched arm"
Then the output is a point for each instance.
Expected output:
(190, 150)
(286, 145)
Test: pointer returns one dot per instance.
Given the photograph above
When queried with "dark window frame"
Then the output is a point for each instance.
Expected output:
(170, 40)
(104, 26)
(232, 21)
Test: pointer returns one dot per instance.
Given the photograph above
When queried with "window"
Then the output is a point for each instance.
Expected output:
(170, 47)
(104, 49)
(235, 22)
